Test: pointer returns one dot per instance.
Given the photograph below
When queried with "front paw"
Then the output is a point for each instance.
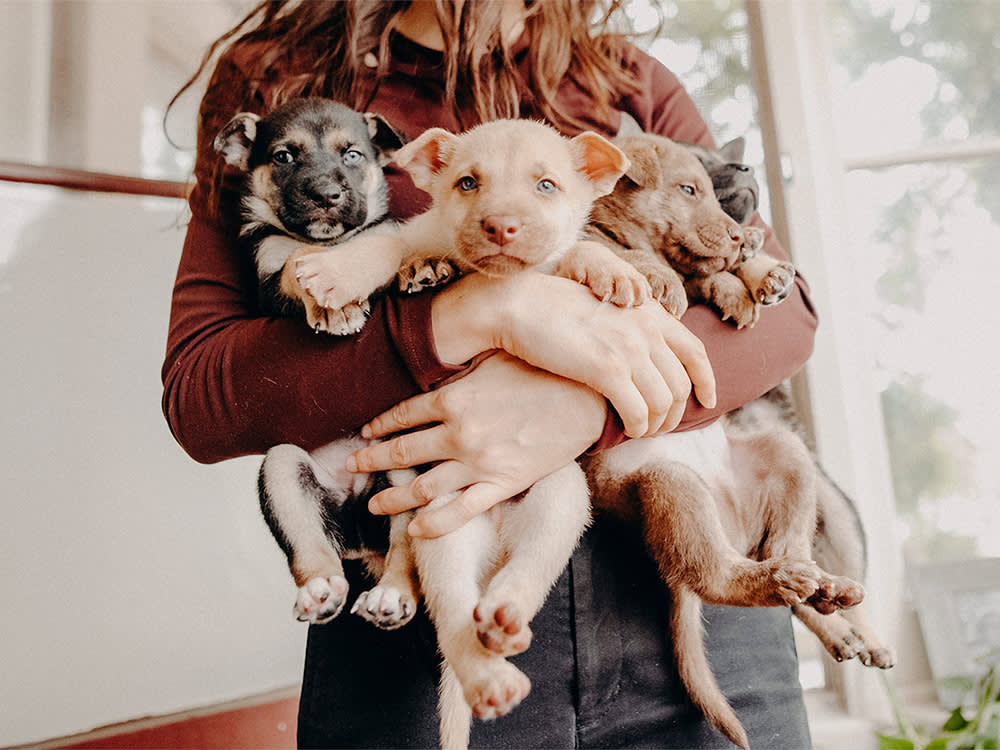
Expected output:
(320, 599)
(316, 274)
(623, 286)
(344, 321)
(385, 607)
(753, 243)
(424, 274)
(738, 306)
(776, 285)
(668, 289)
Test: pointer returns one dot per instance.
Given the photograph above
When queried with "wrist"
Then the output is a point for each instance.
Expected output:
(467, 318)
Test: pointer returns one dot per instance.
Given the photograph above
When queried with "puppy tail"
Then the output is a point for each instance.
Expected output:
(694, 669)
(454, 711)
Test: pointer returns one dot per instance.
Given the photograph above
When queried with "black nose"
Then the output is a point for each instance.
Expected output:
(328, 195)
(743, 167)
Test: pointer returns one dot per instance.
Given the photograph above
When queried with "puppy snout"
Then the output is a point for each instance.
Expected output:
(501, 229)
(735, 233)
(327, 195)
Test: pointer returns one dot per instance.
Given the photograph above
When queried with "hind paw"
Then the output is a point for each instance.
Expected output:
(385, 607)
(499, 692)
(320, 599)
(501, 629)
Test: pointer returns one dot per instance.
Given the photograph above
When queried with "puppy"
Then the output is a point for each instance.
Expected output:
(507, 196)
(313, 181)
(734, 184)
(681, 238)
(729, 512)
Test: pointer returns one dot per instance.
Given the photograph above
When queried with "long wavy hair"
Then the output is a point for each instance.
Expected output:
(583, 39)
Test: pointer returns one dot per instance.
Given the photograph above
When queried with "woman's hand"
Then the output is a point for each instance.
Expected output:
(495, 431)
(642, 359)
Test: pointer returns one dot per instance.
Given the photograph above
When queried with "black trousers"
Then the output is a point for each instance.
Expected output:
(601, 670)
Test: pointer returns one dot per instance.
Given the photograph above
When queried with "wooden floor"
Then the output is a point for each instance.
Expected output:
(268, 726)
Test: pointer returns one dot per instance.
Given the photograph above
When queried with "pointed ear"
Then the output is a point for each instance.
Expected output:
(644, 169)
(426, 156)
(602, 162)
(236, 139)
(386, 139)
(732, 152)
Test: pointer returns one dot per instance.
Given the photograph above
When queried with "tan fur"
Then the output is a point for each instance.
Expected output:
(664, 218)
(729, 512)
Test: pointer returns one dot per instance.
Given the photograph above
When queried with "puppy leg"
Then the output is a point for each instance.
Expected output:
(729, 294)
(450, 569)
(686, 537)
(393, 602)
(292, 498)
(778, 465)
(540, 532)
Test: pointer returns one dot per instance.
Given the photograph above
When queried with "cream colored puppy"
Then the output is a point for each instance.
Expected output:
(508, 196)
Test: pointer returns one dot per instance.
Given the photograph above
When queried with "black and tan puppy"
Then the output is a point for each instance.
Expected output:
(730, 512)
(314, 181)
(313, 184)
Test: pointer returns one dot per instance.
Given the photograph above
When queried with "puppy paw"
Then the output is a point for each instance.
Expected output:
(318, 275)
(879, 656)
(344, 321)
(624, 288)
(501, 629)
(777, 285)
(498, 692)
(385, 607)
(669, 292)
(795, 582)
(753, 243)
(320, 599)
(834, 593)
(424, 274)
(738, 307)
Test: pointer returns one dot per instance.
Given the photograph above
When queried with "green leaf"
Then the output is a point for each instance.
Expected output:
(892, 742)
(955, 722)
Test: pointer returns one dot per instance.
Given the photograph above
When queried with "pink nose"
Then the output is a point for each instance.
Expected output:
(501, 229)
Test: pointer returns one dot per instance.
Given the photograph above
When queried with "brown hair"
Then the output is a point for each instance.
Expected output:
(568, 38)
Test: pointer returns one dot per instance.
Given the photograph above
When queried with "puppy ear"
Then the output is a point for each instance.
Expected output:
(426, 156)
(732, 152)
(644, 170)
(601, 161)
(386, 139)
(236, 139)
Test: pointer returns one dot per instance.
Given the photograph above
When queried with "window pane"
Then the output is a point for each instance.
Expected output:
(928, 244)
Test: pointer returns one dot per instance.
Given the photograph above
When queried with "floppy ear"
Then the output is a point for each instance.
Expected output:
(427, 155)
(386, 139)
(732, 152)
(601, 161)
(644, 170)
(236, 139)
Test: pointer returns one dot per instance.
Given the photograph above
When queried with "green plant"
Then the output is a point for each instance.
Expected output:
(979, 732)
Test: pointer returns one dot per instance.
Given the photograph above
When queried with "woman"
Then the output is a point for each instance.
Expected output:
(236, 383)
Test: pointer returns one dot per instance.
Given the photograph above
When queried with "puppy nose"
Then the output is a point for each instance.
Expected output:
(327, 196)
(735, 233)
(501, 229)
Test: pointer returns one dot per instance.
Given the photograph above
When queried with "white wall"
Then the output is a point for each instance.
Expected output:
(133, 581)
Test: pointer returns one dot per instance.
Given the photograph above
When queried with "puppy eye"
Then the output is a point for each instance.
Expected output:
(687, 189)
(546, 186)
(352, 157)
(467, 184)
(282, 156)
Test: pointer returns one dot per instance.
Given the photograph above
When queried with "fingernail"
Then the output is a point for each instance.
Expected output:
(375, 507)
(366, 431)
(415, 528)
(351, 464)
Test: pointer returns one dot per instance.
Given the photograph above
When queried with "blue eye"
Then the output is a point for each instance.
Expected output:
(282, 156)
(353, 157)
(546, 186)
(687, 189)
(467, 184)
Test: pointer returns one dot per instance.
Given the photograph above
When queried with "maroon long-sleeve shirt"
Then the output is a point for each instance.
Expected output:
(237, 383)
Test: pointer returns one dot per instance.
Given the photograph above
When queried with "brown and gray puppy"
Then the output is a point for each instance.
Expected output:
(729, 512)
(664, 217)
(507, 196)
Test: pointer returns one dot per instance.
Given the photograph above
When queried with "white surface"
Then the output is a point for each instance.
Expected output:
(133, 580)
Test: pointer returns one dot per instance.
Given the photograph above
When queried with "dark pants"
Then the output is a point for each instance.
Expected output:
(601, 670)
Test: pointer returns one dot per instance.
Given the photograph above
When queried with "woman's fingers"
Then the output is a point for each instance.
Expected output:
(419, 410)
(690, 351)
(445, 478)
(411, 449)
(456, 513)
